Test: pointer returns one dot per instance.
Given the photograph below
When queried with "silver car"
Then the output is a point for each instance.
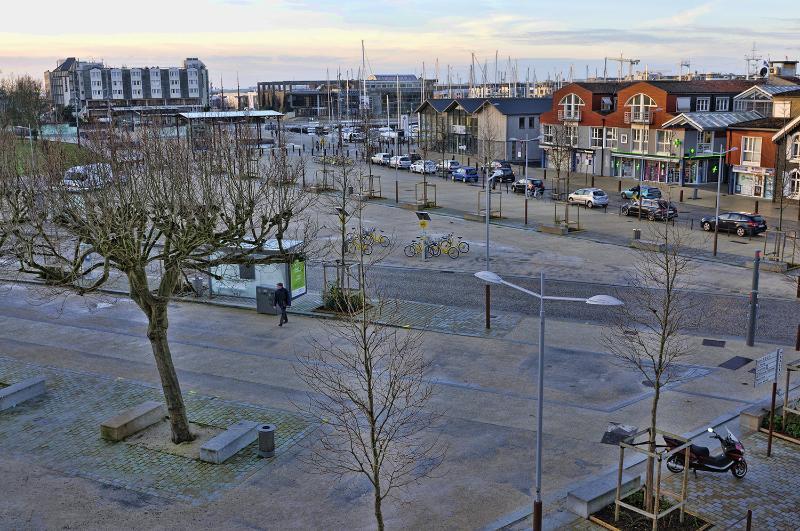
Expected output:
(423, 166)
(402, 162)
(591, 197)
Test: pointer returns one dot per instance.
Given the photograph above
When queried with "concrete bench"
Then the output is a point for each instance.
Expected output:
(21, 391)
(751, 418)
(132, 420)
(220, 448)
(596, 494)
(561, 230)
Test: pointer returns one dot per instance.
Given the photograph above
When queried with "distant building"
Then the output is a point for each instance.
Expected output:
(342, 97)
(98, 91)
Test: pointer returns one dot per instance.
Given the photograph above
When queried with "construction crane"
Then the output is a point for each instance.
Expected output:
(621, 60)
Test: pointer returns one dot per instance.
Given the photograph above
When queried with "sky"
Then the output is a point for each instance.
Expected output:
(302, 39)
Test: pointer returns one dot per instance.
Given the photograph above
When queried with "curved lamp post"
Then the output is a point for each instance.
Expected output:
(597, 300)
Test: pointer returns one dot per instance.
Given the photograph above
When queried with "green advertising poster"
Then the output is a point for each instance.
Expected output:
(297, 277)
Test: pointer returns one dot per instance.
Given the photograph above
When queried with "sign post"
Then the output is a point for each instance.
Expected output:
(424, 219)
(768, 367)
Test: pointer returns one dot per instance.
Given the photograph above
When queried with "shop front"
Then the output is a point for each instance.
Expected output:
(652, 169)
(697, 170)
(753, 181)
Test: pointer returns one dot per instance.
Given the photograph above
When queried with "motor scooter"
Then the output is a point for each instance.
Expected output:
(700, 458)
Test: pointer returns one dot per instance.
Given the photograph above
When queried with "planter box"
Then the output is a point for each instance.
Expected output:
(132, 420)
(606, 525)
(647, 245)
(21, 391)
(560, 230)
(780, 435)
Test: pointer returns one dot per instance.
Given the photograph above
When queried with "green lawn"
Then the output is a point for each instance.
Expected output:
(72, 154)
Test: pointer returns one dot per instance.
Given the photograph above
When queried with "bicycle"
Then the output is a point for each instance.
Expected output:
(377, 236)
(416, 247)
(444, 246)
(463, 247)
(363, 247)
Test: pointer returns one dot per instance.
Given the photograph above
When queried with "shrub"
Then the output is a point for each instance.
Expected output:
(342, 300)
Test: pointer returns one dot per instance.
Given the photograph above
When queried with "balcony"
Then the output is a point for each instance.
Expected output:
(638, 117)
(702, 148)
(569, 116)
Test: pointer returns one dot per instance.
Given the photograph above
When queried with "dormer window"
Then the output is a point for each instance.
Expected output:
(570, 107)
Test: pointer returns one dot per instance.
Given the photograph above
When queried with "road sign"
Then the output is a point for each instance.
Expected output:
(768, 367)
(423, 224)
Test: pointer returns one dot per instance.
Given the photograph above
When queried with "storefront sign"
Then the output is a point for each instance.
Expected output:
(459, 129)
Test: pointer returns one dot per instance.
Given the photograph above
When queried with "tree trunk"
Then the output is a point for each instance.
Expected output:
(378, 511)
(649, 479)
(157, 323)
(157, 334)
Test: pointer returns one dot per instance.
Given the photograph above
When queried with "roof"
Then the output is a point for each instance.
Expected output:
(791, 126)
(768, 90)
(710, 86)
(761, 123)
(392, 77)
(470, 105)
(517, 106)
(795, 91)
(607, 87)
(229, 114)
(710, 121)
(65, 65)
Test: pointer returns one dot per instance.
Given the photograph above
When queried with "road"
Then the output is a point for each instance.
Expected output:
(721, 315)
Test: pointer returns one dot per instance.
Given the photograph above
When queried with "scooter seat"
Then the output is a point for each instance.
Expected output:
(699, 451)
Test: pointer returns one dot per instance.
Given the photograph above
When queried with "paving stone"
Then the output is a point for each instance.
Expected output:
(59, 430)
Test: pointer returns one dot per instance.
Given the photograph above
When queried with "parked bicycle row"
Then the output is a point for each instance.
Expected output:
(449, 245)
(364, 240)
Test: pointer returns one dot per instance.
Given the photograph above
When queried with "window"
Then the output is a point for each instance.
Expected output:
(795, 149)
(683, 104)
(572, 135)
(531, 122)
(722, 104)
(571, 104)
(794, 183)
(522, 122)
(640, 105)
(547, 132)
(664, 142)
(605, 103)
(640, 139)
(611, 137)
(597, 137)
(780, 109)
(703, 104)
(751, 150)
(247, 272)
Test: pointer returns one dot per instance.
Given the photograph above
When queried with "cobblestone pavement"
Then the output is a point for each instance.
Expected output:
(62, 431)
(407, 314)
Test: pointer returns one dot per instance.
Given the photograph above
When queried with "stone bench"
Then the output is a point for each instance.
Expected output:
(596, 494)
(21, 391)
(647, 245)
(132, 420)
(220, 448)
(561, 230)
(750, 419)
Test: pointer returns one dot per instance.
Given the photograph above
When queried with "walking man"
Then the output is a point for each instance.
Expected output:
(282, 300)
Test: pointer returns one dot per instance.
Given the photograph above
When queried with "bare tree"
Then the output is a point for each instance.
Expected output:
(560, 149)
(152, 211)
(490, 144)
(24, 102)
(368, 389)
(648, 334)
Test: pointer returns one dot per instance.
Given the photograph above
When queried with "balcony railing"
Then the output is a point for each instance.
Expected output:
(569, 116)
(638, 117)
(702, 148)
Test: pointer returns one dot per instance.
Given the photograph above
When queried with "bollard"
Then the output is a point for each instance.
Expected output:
(266, 440)
(545, 174)
(396, 192)
(592, 181)
(637, 234)
(797, 340)
(691, 224)
(619, 185)
(694, 193)
(680, 199)
(756, 209)
(798, 287)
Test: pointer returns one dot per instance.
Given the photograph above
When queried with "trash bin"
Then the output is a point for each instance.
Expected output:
(265, 296)
(266, 440)
(197, 285)
(637, 234)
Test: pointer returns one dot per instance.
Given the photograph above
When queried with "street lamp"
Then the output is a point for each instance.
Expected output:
(597, 300)
(719, 183)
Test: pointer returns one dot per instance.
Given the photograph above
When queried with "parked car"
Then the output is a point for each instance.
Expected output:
(381, 158)
(648, 192)
(531, 184)
(742, 223)
(448, 165)
(423, 166)
(402, 162)
(466, 174)
(414, 157)
(88, 177)
(505, 174)
(591, 197)
(652, 209)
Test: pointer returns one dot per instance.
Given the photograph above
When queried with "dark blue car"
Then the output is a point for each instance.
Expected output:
(466, 174)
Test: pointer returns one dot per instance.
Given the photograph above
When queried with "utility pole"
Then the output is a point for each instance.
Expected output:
(751, 323)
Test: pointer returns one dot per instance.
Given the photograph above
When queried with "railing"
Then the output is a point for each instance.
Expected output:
(569, 116)
(702, 148)
(638, 117)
